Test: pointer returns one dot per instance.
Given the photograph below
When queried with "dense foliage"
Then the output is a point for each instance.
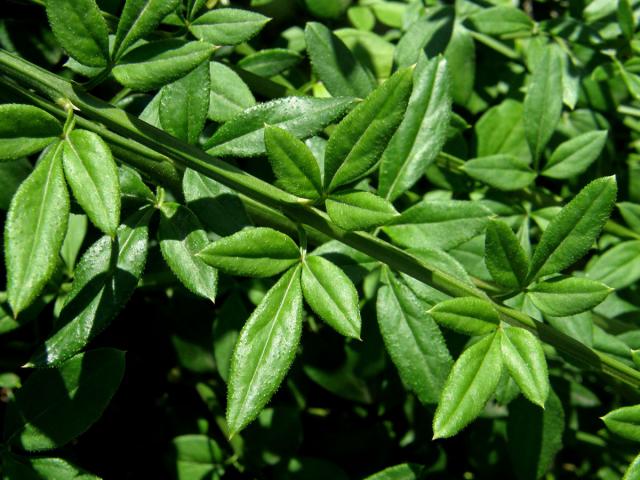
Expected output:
(320, 239)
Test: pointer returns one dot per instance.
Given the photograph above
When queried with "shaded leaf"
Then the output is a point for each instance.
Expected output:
(504, 172)
(104, 279)
(56, 405)
(334, 64)
(504, 257)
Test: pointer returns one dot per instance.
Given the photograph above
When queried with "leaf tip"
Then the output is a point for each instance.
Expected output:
(29, 364)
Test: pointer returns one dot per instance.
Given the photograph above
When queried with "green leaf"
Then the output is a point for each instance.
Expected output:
(227, 26)
(270, 62)
(155, 64)
(534, 436)
(467, 315)
(357, 210)
(184, 105)
(104, 279)
(626, 19)
(301, 116)
(334, 64)
(81, 30)
(12, 174)
(35, 228)
(218, 208)
(93, 177)
(471, 382)
(404, 471)
(37, 468)
(501, 130)
(56, 405)
(568, 296)
(422, 133)
(543, 102)
(572, 231)
(181, 237)
(430, 33)
(226, 328)
(505, 259)
(630, 212)
(461, 55)
(504, 172)
(139, 18)
(633, 471)
(132, 187)
(574, 156)
(523, 356)
(229, 95)
(76, 232)
(24, 130)
(501, 20)
(413, 340)
(196, 456)
(252, 252)
(331, 295)
(294, 165)
(440, 224)
(617, 267)
(266, 347)
(359, 140)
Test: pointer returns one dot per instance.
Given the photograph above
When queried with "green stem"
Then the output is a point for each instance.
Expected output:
(184, 155)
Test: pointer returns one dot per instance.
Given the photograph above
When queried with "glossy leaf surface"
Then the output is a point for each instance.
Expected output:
(471, 382)
(34, 231)
(155, 64)
(468, 315)
(25, 129)
(572, 232)
(294, 165)
(252, 252)
(264, 351)
(227, 26)
(359, 140)
(104, 279)
(568, 296)
(331, 295)
(181, 237)
(300, 116)
(423, 130)
(359, 210)
(93, 177)
(81, 30)
(413, 340)
(504, 257)
(139, 18)
(339, 71)
(523, 356)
